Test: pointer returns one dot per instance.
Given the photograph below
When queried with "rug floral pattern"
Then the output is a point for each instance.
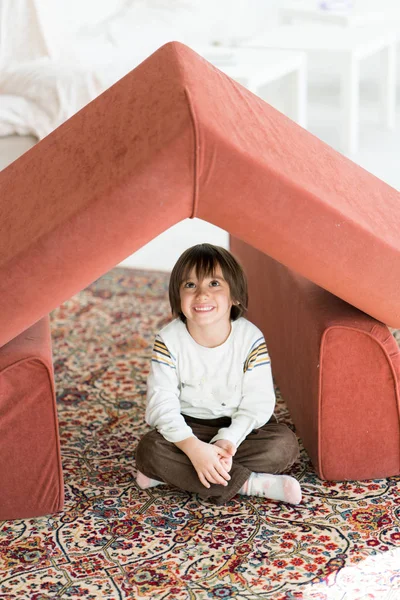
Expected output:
(115, 541)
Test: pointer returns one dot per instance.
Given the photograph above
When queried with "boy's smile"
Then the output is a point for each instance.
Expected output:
(206, 305)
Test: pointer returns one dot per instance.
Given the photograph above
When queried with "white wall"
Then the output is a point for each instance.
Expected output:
(162, 253)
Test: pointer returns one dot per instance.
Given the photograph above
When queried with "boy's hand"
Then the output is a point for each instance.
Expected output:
(230, 448)
(207, 460)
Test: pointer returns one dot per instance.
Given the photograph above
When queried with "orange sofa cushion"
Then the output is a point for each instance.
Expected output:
(30, 465)
(338, 370)
(177, 138)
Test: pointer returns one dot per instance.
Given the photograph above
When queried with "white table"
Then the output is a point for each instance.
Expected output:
(348, 46)
(361, 14)
(256, 68)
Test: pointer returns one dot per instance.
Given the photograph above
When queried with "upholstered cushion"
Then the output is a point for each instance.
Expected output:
(337, 367)
(31, 481)
(178, 138)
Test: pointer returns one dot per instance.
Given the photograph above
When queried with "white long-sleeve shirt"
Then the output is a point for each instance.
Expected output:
(231, 380)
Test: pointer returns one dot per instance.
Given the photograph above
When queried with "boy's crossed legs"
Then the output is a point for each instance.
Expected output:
(265, 452)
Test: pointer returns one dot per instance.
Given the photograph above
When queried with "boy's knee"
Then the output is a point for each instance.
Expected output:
(288, 446)
(152, 450)
(144, 450)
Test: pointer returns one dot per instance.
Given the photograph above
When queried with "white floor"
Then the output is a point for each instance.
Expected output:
(379, 154)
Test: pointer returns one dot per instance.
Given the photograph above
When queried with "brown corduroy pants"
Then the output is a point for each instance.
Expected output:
(272, 448)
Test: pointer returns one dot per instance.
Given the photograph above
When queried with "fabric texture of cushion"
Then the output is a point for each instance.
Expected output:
(30, 465)
(177, 138)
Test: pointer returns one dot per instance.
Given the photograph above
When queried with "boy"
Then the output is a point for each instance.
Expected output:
(210, 396)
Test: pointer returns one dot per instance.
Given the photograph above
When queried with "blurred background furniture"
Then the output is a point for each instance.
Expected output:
(347, 46)
(257, 68)
(346, 14)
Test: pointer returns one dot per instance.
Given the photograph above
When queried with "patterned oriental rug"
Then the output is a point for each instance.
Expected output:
(116, 541)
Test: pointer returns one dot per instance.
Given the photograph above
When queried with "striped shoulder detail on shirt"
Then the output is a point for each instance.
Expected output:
(257, 356)
(161, 354)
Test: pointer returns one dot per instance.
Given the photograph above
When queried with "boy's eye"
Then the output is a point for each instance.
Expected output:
(189, 284)
(214, 283)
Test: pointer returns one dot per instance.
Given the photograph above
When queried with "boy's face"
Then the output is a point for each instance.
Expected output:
(206, 302)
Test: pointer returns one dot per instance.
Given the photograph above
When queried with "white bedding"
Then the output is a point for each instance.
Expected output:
(36, 97)
(55, 57)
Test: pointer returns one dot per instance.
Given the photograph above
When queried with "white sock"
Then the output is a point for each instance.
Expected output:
(275, 487)
(145, 482)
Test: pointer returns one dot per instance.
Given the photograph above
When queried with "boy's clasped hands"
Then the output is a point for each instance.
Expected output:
(212, 462)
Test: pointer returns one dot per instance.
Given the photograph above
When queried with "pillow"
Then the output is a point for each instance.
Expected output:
(40, 95)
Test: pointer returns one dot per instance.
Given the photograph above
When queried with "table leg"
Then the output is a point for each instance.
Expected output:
(388, 85)
(295, 96)
(350, 104)
(300, 109)
(291, 96)
(250, 84)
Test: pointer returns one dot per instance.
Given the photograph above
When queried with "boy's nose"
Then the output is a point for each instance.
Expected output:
(202, 291)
